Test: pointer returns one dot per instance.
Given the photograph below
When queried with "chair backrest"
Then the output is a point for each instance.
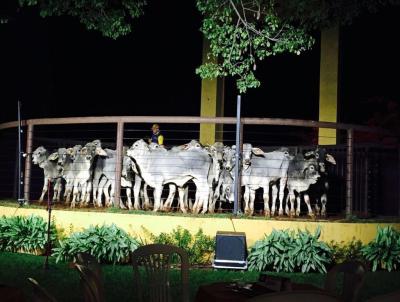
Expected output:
(39, 293)
(296, 296)
(91, 262)
(354, 274)
(156, 262)
(93, 290)
(389, 297)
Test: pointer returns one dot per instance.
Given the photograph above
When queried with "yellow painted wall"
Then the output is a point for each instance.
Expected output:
(328, 87)
(212, 103)
(254, 228)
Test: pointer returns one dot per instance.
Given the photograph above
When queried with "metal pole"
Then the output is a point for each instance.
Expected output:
(349, 174)
(48, 243)
(28, 163)
(20, 154)
(236, 209)
(118, 164)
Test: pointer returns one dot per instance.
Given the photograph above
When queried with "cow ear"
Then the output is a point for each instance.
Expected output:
(257, 151)
(101, 152)
(329, 158)
(53, 156)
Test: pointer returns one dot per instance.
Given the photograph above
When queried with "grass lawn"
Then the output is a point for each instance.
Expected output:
(63, 282)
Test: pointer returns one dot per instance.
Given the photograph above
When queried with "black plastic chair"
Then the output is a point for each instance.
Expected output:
(156, 260)
(40, 294)
(92, 287)
(353, 279)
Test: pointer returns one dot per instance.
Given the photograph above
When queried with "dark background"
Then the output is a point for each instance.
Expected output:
(58, 68)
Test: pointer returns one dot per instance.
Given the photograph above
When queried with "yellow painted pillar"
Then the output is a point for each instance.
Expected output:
(212, 104)
(328, 83)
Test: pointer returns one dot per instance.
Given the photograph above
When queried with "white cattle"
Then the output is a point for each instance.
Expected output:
(260, 171)
(51, 172)
(82, 170)
(301, 174)
(158, 168)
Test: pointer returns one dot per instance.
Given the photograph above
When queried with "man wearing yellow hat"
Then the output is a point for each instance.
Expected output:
(156, 137)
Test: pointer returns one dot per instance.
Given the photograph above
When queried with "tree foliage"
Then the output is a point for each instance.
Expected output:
(242, 33)
(112, 18)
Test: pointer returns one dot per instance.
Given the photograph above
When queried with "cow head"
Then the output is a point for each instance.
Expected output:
(138, 149)
(39, 155)
(248, 151)
(229, 157)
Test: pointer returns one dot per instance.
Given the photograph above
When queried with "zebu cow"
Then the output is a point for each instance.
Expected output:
(301, 174)
(51, 172)
(159, 168)
(82, 172)
(322, 185)
(104, 177)
(259, 172)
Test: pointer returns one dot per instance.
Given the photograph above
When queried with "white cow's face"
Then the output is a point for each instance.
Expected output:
(39, 155)
(229, 158)
(311, 173)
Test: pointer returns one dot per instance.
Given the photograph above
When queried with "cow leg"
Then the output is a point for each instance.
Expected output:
(107, 200)
(57, 189)
(204, 197)
(88, 192)
(136, 191)
(68, 191)
(246, 197)
(297, 212)
(282, 184)
(75, 194)
(100, 189)
(317, 208)
(157, 198)
(129, 197)
(324, 200)
(44, 190)
(251, 203)
(274, 197)
(182, 204)
(267, 212)
(307, 201)
(291, 199)
(171, 194)
(146, 197)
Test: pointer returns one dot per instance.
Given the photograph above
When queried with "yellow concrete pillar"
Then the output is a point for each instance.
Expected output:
(328, 83)
(212, 104)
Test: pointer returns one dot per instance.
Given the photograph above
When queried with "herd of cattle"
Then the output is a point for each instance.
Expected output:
(88, 174)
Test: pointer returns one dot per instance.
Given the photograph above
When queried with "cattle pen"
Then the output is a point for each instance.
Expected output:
(364, 183)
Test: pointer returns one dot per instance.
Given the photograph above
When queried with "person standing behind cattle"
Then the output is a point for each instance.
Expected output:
(156, 136)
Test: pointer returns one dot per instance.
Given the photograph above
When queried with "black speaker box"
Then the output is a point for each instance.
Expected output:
(230, 250)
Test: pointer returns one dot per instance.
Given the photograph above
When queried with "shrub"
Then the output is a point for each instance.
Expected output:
(198, 246)
(287, 251)
(107, 243)
(384, 251)
(25, 234)
(342, 252)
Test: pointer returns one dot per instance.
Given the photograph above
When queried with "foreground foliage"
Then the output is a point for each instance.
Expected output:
(384, 251)
(108, 243)
(25, 234)
(285, 251)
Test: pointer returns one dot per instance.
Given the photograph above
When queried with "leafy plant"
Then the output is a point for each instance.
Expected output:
(309, 253)
(198, 246)
(272, 253)
(107, 243)
(288, 251)
(342, 251)
(25, 234)
(384, 251)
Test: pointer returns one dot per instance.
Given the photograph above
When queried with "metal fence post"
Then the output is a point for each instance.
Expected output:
(349, 174)
(119, 161)
(28, 163)
(236, 204)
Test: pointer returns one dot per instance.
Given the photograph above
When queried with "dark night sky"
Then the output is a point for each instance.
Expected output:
(58, 68)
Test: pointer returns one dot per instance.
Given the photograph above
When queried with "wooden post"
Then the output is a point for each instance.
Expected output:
(119, 161)
(28, 163)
